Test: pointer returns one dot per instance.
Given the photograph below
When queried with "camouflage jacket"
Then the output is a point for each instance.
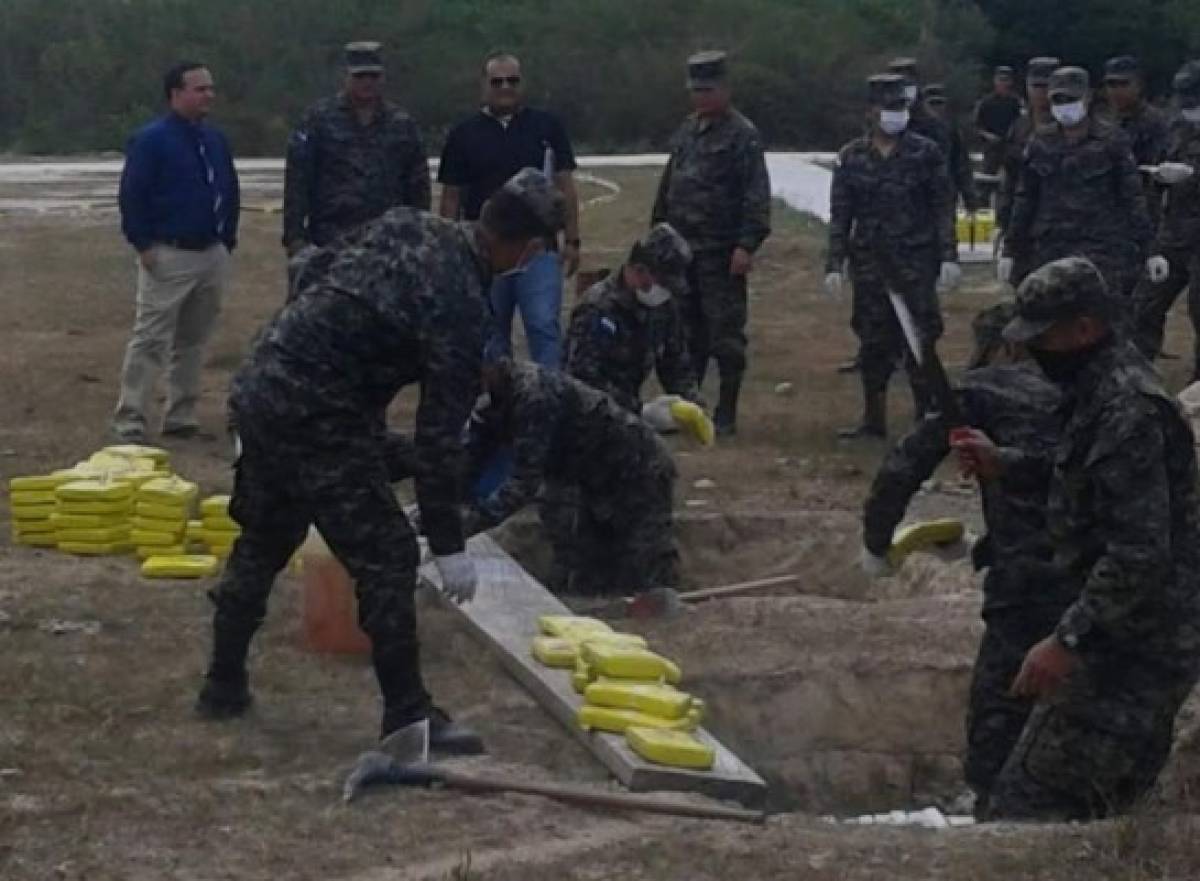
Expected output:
(1087, 192)
(1146, 129)
(1180, 224)
(715, 189)
(402, 305)
(341, 174)
(1018, 408)
(898, 202)
(1123, 510)
(613, 343)
(567, 433)
(1015, 144)
(947, 136)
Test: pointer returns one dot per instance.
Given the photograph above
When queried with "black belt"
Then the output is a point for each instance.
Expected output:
(189, 244)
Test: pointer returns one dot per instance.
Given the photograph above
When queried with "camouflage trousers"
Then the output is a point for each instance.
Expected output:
(342, 486)
(714, 314)
(881, 340)
(995, 720)
(619, 544)
(1096, 748)
(1152, 302)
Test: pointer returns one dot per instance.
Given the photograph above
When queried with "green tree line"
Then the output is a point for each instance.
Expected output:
(81, 75)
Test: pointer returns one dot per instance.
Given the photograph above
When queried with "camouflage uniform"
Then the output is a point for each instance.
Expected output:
(1178, 233)
(614, 340)
(1016, 140)
(1022, 601)
(1080, 198)
(567, 434)
(341, 173)
(404, 305)
(1122, 516)
(1146, 128)
(716, 192)
(892, 218)
(947, 135)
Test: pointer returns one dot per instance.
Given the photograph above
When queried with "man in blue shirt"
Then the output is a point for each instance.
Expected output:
(179, 210)
(483, 152)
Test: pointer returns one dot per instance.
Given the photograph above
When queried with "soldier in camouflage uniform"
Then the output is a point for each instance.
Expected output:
(1079, 194)
(935, 101)
(1143, 123)
(1036, 114)
(892, 220)
(404, 304)
(566, 433)
(1007, 398)
(716, 193)
(627, 324)
(351, 158)
(1122, 517)
(1178, 240)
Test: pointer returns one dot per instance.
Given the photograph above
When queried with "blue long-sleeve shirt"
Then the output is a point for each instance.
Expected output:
(166, 192)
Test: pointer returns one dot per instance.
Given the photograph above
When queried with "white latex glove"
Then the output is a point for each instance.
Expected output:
(1004, 268)
(876, 567)
(458, 576)
(834, 282)
(1172, 173)
(949, 276)
(1158, 268)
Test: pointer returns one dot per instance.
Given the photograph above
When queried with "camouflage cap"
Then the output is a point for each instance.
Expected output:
(665, 253)
(1062, 289)
(905, 67)
(988, 328)
(540, 195)
(1071, 82)
(1003, 71)
(1122, 68)
(363, 57)
(1038, 70)
(1186, 84)
(706, 69)
(885, 89)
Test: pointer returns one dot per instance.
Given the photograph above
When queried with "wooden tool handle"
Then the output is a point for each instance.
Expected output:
(583, 796)
(731, 590)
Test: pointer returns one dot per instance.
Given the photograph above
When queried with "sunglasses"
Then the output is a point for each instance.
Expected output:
(499, 81)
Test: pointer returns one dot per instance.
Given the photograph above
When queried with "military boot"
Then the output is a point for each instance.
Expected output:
(874, 421)
(725, 416)
(226, 690)
(398, 670)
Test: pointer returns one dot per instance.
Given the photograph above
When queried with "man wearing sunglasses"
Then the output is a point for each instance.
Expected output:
(481, 153)
(1144, 124)
(351, 158)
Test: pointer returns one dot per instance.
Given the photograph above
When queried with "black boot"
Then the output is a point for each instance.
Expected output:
(446, 737)
(226, 690)
(405, 700)
(874, 422)
(725, 417)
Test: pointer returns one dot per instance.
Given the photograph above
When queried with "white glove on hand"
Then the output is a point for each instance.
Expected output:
(876, 567)
(1172, 173)
(1158, 268)
(458, 576)
(1004, 269)
(949, 276)
(834, 282)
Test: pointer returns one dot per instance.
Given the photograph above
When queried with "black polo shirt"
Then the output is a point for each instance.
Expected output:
(997, 113)
(481, 153)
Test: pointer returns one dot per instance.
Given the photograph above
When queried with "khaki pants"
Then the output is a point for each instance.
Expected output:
(178, 302)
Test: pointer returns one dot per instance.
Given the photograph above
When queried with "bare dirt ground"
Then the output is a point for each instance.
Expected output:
(847, 696)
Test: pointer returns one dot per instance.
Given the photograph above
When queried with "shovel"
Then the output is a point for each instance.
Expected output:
(403, 759)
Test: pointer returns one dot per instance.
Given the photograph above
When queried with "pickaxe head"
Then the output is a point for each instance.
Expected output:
(402, 757)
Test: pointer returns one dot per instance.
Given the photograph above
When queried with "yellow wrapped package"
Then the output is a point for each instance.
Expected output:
(156, 524)
(160, 457)
(155, 511)
(151, 538)
(692, 419)
(554, 651)
(194, 531)
(918, 536)
(87, 521)
(625, 662)
(93, 549)
(94, 491)
(653, 698)
(560, 625)
(120, 508)
(110, 535)
(665, 746)
(35, 539)
(31, 498)
(144, 552)
(40, 482)
(617, 721)
(221, 524)
(173, 491)
(180, 566)
(215, 506)
(32, 512)
(30, 526)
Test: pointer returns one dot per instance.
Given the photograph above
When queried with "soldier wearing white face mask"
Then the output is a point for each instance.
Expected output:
(628, 324)
(1078, 194)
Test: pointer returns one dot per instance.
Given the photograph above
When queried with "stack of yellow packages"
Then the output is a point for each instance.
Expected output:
(217, 529)
(627, 689)
(160, 515)
(31, 501)
(92, 514)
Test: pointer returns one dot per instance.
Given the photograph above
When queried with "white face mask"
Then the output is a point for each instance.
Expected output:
(910, 94)
(1191, 114)
(653, 296)
(1069, 114)
(893, 122)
